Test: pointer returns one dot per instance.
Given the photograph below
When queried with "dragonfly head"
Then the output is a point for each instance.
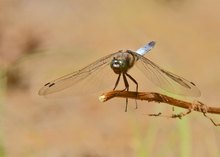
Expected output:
(119, 65)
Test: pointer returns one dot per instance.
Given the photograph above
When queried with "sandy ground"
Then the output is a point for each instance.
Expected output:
(42, 40)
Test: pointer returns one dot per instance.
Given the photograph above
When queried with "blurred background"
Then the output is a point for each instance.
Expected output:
(41, 40)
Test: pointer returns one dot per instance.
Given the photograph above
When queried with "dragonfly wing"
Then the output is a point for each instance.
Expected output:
(165, 79)
(75, 77)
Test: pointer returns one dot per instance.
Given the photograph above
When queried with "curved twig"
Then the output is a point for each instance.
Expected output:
(161, 98)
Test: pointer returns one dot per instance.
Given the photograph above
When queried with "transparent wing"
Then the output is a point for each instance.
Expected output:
(166, 80)
(75, 77)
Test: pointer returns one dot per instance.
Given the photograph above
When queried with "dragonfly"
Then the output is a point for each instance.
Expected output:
(121, 62)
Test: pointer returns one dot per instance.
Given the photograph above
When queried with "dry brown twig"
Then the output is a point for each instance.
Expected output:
(161, 98)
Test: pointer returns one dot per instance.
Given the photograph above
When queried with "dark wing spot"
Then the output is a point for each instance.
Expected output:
(193, 83)
(47, 84)
(51, 84)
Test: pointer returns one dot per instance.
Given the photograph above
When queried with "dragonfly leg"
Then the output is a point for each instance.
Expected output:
(127, 89)
(133, 81)
(116, 83)
(136, 86)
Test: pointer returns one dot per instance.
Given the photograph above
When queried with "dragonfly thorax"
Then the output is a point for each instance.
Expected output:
(122, 62)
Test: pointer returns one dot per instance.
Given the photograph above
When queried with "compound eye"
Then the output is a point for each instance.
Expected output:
(115, 63)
